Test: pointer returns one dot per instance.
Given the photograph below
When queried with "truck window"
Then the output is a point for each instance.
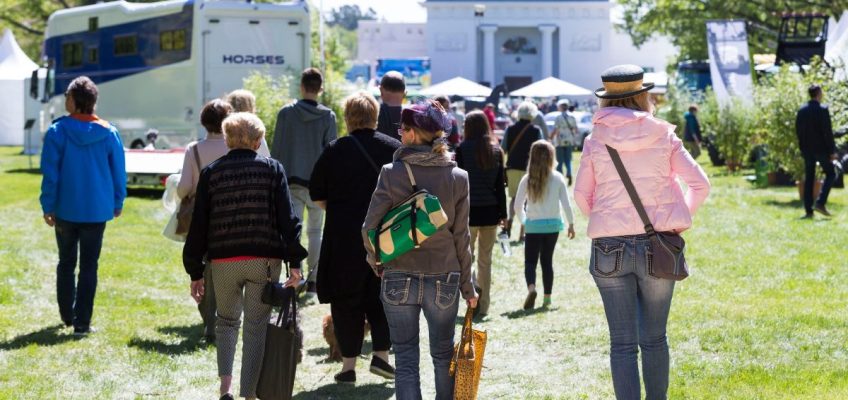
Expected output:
(126, 45)
(72, 54)
(92, 57)
(172, 40)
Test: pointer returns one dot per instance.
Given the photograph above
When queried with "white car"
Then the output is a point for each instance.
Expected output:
(584, 124)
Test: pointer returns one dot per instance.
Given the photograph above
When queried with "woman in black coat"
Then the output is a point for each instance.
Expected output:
(342, 183)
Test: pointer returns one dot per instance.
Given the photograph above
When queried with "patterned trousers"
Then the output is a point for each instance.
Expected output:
(238, 286)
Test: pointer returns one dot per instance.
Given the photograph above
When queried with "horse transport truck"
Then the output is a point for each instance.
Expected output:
(156, 64)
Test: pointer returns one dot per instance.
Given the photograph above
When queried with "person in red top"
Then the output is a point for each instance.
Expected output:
(489, 110)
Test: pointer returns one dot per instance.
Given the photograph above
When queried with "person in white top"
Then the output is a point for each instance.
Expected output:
(197, 156)
(541, 197)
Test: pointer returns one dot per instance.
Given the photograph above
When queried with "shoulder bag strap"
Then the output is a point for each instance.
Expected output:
(517, 139)
(631, 190)
(365, 153)
(197, 158)
(414, 214)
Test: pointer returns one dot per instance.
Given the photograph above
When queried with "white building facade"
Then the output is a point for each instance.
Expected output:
(520, 42)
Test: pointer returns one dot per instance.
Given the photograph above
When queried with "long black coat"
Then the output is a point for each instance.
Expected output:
(345, 179)
(814, 130)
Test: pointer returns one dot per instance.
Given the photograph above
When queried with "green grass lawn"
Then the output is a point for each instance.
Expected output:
(763, 316)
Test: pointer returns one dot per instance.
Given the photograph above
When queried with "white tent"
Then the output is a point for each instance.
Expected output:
(551, 87)
(15, 71)
(458, 86)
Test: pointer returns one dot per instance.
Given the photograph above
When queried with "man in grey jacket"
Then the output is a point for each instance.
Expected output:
(303, 129)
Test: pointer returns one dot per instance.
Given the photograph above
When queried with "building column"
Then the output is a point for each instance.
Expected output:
(489, 53)
(547, 49)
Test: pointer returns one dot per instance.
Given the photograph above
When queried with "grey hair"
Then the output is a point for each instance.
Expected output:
(243, 130)
(527, 110)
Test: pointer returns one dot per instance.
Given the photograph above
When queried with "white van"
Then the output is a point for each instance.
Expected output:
(156, 64)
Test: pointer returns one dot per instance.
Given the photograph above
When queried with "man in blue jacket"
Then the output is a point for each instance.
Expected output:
(83, 187)
(815, 138)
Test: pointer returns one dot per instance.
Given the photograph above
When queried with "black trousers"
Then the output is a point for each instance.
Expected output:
(810, 177)
(540, 246)
(349, 317)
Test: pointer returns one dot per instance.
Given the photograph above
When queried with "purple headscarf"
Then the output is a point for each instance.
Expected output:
(429, 116)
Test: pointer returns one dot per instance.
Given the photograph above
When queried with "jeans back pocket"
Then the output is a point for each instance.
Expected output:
(606, 258)
(447, 291)
(396, 290)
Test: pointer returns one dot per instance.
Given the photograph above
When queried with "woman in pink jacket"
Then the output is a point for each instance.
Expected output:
(636, 303)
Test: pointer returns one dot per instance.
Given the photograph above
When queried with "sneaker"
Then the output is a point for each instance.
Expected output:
(83, 332)
(68, 323)
(382, 368)
(822, 210)
(346, 377)
(530, 301)
(227, 397)
(569, 180)
(546, 302)
(807, 216)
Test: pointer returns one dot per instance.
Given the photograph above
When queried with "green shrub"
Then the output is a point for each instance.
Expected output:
(734, 129)
(272, 93)
(778, 98)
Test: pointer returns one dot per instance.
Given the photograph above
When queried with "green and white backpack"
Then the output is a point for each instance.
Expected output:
(395, 236)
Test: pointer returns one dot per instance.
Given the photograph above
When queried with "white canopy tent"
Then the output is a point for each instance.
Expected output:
(15, 71)
(551, 87)
(458, 86)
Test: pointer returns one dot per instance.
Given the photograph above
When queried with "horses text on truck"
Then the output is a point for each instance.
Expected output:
(156, 64)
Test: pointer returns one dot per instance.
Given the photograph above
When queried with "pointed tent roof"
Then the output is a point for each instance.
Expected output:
(551, 87)
(14, 63)
(458, 86)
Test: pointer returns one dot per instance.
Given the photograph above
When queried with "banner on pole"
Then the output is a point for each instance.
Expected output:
(730, 63)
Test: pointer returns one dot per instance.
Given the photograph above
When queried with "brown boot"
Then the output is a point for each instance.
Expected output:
(530, 301)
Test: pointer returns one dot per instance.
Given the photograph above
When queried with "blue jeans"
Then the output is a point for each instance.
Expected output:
(636, 305)
(563, 155)
(404, 296)
(76, 301)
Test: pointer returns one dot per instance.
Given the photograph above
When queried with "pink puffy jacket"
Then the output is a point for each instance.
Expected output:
(654, 157)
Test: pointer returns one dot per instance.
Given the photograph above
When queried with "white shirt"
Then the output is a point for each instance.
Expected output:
(556, 195)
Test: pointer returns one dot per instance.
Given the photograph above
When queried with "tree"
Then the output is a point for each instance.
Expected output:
(683, 21)
(348, 16)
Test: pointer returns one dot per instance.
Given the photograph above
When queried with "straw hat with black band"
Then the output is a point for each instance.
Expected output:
(622, 81)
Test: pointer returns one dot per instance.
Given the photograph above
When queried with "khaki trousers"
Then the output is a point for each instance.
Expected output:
(487, 236)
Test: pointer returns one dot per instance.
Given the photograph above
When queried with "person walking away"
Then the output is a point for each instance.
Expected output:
(244, 223)
(452, 136)
(539, 121)
(636, 303)
(83, 186)
(692, 132)
(481, 157)
(342, 183)
(815, 138)
(489, 110)
(516, 144)
(431, 277)
(243, 100)
(540, 195)
(304, 128)
(392, 93)
(564, 137)
(200, 154)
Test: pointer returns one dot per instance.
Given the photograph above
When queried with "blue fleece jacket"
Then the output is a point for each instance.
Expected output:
(84, 176)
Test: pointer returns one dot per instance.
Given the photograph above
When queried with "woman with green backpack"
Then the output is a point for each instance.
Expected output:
(426, 268)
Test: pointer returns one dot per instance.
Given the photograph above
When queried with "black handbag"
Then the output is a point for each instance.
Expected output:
(274, 293)
(283, 351)
(666, 260)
